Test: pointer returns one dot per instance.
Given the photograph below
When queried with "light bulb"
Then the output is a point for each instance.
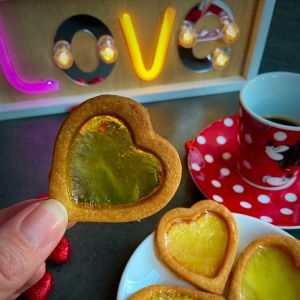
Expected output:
(107, 49)
(63, 55)
(230, 31)
(220, 59)
(187, 35)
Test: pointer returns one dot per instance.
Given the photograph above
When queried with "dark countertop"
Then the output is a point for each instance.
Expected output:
(100, 251)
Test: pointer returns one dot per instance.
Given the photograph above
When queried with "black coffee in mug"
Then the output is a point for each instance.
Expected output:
(282, 121)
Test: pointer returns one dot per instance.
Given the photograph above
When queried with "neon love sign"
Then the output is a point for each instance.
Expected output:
(25, 87)
(219, 59)
(187, 38)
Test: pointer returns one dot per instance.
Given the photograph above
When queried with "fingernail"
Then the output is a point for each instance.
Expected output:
(44, 224)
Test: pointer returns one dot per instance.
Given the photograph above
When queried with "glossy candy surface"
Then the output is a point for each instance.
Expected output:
(270, 275)
(105, 167)
(199, 245)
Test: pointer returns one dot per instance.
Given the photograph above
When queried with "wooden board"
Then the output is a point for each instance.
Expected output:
(29, 28)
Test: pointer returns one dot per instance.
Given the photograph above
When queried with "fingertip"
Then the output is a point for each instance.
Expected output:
(46, 223)
(58, 208)
(71, 224)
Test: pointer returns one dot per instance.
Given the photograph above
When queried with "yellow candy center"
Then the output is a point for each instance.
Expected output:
(270, 275)
(199, 245)
(106, 168)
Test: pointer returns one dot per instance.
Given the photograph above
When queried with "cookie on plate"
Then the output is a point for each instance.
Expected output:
(109, 165)
(199, 244)
(164, 291)
(268, 268)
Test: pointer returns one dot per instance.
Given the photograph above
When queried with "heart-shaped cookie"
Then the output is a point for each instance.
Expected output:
(199, 244)
(171, 292)
(109, 165)
(268, 268)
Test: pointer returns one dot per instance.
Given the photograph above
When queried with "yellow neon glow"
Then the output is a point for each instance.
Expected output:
(161, 49)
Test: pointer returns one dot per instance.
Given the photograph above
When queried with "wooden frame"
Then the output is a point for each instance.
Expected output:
(35, 24)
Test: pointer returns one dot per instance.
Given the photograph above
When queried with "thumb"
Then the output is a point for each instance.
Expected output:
(26, 240)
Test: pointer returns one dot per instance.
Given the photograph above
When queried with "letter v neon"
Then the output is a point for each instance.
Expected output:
(161, 49)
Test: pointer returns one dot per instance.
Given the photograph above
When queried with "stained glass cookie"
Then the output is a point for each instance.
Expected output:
(171, 292)
(109, 165)
(268, 268)
(199, 244)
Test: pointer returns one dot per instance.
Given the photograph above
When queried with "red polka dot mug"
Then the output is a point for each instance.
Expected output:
(269, 131)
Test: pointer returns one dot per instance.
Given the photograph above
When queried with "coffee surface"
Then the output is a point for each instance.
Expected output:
(282, 121)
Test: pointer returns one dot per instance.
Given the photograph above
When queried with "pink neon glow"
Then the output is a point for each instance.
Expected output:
(16, 82)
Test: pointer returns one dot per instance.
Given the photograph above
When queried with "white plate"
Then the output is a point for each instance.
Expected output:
(145, 268)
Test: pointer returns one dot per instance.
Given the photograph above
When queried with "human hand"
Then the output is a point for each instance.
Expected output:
(29, 232)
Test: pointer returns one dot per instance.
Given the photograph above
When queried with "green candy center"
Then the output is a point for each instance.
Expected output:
(107, 169)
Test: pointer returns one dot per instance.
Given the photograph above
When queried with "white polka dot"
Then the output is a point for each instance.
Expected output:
(221, 140)
(245, 204)
(286, 211)
(238, 139)
(291, 197)
(263, 199)
(228, 122)
(195, 167)
(201, 139)
(216, 183)
(238, 188)
(225, 171)
(217, 198)
(208, 158)
(280, 136)
(247, 164)
(226, 155)
(248, 138)
(266, 219)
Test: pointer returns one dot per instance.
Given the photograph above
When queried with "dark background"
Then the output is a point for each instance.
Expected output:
(100, 251)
